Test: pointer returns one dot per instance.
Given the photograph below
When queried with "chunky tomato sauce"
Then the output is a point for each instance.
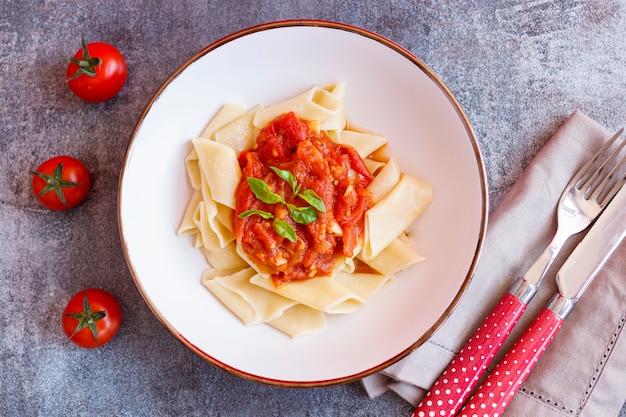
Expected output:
(336, 173)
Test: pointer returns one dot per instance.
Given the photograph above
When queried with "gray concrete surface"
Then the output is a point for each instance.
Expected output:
(517, 68)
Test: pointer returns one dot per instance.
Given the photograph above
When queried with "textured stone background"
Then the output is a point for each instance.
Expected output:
(518, 69)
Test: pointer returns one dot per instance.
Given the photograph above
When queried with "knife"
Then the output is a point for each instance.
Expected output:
(572, 280)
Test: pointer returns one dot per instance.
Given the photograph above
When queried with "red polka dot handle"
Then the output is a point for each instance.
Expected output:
(491, 399)
(456, 383)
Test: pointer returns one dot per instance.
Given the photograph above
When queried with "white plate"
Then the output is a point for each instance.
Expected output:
(389, 91)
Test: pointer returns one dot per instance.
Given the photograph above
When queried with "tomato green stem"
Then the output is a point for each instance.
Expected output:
(56, 183)
(86, 65)
(87, 318)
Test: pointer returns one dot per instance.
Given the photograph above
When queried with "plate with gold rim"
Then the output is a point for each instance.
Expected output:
(389, 91)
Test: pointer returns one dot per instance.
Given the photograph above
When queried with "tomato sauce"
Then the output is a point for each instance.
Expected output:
(336, 173)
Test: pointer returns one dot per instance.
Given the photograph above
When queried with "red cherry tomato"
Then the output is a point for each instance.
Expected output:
(61, 182)
(97, 72)
(92, 317)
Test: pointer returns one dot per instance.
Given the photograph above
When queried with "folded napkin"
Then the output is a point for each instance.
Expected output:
(583, 371)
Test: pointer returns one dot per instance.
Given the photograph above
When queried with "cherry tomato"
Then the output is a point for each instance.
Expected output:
(97, 72)
(61, 182)
(92, 317)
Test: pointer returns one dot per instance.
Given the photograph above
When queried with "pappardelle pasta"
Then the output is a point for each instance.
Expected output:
(298, 214)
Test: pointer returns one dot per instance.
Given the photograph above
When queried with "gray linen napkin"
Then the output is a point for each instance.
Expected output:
(583, 372)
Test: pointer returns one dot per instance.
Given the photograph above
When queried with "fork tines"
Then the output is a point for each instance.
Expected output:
(600, 184)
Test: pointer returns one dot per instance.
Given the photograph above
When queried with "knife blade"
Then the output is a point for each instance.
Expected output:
(573, 278)
(604, 237)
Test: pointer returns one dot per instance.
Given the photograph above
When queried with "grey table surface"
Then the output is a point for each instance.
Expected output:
(517, 68)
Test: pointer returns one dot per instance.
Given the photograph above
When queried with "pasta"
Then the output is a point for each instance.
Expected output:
(250, 302)
(393, 214)
(282, 249)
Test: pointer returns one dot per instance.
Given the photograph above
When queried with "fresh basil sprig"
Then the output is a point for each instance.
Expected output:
(262, 191)
(281, 227)
(301, 215)
(284, 229)
(261, 213)
(289, 177)
(309, 196)
(313, 199)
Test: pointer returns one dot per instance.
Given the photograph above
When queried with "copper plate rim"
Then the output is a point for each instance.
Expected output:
(483, 180)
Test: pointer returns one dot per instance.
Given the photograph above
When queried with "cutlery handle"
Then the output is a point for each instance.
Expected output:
(499, 388)
(456, 383)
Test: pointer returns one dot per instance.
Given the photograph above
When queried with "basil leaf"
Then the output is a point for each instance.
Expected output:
(302, 215)
(284, 229)
(313, 199)
(287, 176)
(262, 191)
(261, 213)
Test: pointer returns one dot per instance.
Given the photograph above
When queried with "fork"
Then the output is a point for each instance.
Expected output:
(582, 200)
